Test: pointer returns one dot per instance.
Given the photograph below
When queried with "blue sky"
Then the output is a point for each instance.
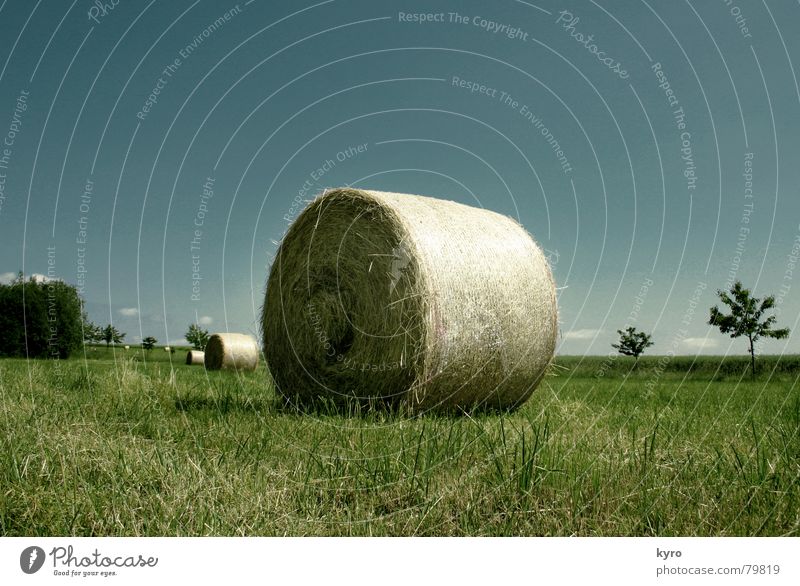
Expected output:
(650, 148)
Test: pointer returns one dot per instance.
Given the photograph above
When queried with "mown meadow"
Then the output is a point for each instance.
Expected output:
(129, 443)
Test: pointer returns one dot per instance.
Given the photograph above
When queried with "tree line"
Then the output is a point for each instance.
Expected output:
(46, 319)
(747, 318)
(195, 335)
(40, 319)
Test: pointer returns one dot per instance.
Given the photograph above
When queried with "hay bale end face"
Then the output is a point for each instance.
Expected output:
(231, 351)
(408, 299)
(194, 357)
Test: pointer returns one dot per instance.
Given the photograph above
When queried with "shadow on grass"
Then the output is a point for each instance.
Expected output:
(223, 404)
(384, 409)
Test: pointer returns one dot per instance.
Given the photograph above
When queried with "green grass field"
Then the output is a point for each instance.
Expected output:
(118, 445)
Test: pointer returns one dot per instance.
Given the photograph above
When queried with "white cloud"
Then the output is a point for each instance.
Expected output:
(6, 278)
(205, 320)
(700, 343)
(129, 311)
(39, 277)
(585, 334)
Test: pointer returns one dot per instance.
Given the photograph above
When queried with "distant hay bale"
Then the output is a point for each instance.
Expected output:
(127, 347)
(231, 351)
(195, 357)
(167, 349)
(408, 299)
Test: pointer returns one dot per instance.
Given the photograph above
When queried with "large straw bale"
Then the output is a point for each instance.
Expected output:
(409, 299)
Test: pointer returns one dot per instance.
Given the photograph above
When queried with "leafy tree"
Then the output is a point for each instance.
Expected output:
(91, 332)
(65, 310)
(149, 342)
(23, 319)
(39, 318)
(112, 335)
(746, 318)
(197, 337)
(632, 343)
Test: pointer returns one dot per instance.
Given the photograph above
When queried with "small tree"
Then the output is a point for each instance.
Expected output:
(91, 332)
(111, 334)
(632, 343)
(197, 337)
(149, 342)
(746, 318)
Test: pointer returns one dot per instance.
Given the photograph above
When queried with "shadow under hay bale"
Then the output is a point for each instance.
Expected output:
(229, 351)
(404, 299)
(223, 404)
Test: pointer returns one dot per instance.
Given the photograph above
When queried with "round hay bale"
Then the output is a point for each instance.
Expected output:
(167, 349)
(408, 299)
(127, 347)
(231, 351)
(195, 357)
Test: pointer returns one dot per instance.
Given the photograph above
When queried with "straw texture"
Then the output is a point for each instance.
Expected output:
(195, 357)
(408, 299)
(231, 351)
